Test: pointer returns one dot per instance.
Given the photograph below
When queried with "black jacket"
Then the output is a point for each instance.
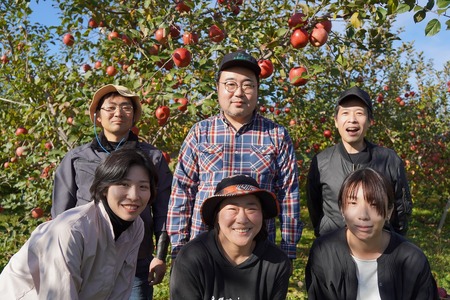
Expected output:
(327, 172)
(201, 271)
(403, 270)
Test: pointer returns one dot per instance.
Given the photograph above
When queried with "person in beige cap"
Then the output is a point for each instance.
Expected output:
(115, 109)
(234, 259)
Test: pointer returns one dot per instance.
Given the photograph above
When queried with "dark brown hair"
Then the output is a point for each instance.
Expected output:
(116, 167)
(377, 190)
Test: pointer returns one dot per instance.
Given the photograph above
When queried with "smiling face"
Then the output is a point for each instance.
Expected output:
(128, 198)
(239, 220)
(352, 121)
(363, 219)
(238, 106)
(116, 124)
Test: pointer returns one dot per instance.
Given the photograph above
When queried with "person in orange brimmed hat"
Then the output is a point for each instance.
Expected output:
(234, 259)
(116, 109)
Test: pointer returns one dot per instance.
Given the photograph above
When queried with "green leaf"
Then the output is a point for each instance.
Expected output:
(402, 8)
(355, 21)
(443, 3)
(430, 5)
(433, 27)
(448, 24)
(392, 6)
(419, 16)
(281, 31)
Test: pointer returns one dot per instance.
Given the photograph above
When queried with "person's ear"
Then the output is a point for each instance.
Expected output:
(98, 118)
(389, 213)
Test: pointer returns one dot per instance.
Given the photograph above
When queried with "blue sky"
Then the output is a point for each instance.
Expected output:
(435, 47)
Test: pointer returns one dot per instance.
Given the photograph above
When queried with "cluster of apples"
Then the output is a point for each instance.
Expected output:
(232, 5)
(300, 37)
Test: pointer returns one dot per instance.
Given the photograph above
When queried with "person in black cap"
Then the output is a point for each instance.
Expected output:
(234, 259)
(115, 109)
(328, 169)
(236, 141)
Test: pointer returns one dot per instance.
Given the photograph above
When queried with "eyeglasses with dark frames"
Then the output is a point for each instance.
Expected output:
(113, 108)
(232, 86)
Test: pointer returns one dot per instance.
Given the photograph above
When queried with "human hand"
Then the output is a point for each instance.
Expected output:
(156, 271)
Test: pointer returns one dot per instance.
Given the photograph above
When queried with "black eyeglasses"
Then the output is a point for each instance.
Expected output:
(112, 109)
(232, 86)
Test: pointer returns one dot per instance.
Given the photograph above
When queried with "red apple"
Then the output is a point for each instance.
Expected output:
(126, 40)
(216, 34)
(154, 49)
(166, 156)
(325, 24)
(162, 122)
(380, 98)
(190, 38)
(70, 120)
(4, 59)
(262, 109)
(318, 37)
(20, 151)
(92, 23)
(135, 130)
(37, 212)
(297, 20)
(299, 38)
(266, 68)
(182, 57)
(295, 76)
(292, 122)
(183, 104)
(1, 209)
(98, 64)
(162, 112)
(442, 293)
(6, 164)
(86, 67)
(327, 133)
(21, 130)
(111, 70)
(113, 35)
(48, 146)
(182, 7)
(174, 31)
(68, 39)
(161, 35)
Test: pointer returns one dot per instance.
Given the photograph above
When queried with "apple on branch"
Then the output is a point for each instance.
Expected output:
(299, 38)
(295, 76)
(266, 68)
(68, 40)
(181, 57)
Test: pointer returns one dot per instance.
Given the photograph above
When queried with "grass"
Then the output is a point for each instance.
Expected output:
(422, 232)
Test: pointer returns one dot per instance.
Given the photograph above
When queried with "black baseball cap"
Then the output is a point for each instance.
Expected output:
(236, 186)
(240, 59)
(356, 92)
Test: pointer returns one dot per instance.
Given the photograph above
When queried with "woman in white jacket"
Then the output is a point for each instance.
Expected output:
(90, 251)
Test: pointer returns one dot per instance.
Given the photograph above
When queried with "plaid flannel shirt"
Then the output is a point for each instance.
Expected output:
(213, 150)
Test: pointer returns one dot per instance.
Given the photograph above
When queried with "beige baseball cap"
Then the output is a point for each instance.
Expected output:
(109, 88)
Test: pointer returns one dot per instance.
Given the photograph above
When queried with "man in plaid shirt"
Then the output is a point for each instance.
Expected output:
(236, 141)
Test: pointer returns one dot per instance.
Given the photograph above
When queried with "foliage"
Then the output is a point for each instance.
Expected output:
(46, 87)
